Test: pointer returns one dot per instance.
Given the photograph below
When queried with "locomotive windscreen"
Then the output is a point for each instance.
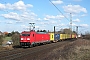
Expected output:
(25, 34)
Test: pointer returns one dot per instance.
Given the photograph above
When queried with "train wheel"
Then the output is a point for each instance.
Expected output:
(39, 44)
(31, 46)
(49, 42)
(34, 45)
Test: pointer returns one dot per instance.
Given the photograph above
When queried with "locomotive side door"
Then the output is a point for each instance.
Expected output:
(32, 38)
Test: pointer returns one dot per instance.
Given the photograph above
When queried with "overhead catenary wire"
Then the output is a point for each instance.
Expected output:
(58, 10)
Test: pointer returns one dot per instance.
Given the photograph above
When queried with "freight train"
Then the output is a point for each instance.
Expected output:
(32, 38)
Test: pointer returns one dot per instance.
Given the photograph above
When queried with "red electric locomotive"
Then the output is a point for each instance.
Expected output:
(31, 38)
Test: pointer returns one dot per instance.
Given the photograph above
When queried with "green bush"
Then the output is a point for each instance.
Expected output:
(16, 39)
(1, 39)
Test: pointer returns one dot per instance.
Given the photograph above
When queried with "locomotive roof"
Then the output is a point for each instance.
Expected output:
(36, 32)
(25, 32)
(42, 32)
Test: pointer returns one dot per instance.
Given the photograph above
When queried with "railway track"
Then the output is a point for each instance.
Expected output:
(19, 54)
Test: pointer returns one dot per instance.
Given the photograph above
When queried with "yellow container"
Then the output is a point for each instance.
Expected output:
(72, 35)
(61, 38)
(51, 36)
(66, 36)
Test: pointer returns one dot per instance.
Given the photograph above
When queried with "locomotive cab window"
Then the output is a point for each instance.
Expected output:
(25, 34)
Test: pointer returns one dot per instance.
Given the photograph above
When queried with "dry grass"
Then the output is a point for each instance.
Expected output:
(5, 47)
(82, 52)
(77, 50)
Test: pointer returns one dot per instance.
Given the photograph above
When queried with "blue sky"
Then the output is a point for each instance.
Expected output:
(15, 15)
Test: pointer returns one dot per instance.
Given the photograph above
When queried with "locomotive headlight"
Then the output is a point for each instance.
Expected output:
(21, 38)
(28, 38)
